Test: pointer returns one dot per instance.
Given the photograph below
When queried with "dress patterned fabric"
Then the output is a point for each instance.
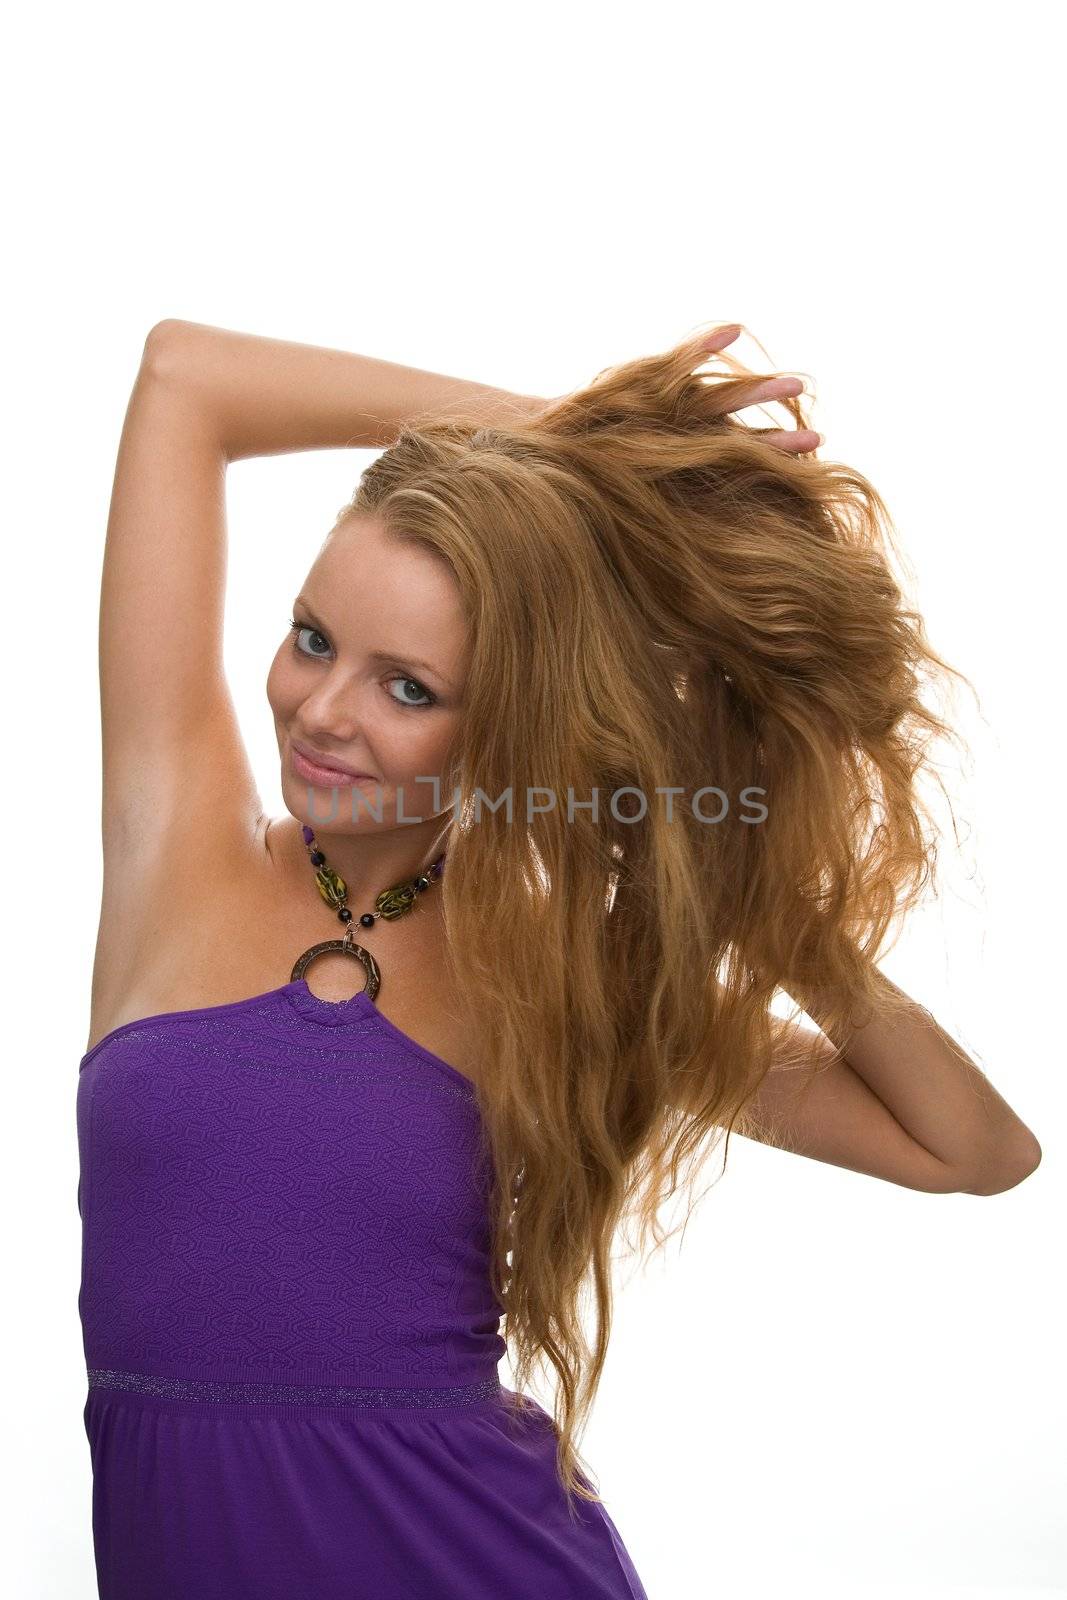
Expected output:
(290, 1335)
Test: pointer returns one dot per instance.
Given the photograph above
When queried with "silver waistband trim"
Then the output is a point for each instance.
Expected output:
(291, 1393)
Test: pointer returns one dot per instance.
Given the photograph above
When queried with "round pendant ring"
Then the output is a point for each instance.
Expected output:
(370, 966)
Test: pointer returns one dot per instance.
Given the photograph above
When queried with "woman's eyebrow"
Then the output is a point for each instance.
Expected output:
(395, 656)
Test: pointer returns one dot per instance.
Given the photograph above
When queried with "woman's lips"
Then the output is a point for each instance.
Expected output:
(312, 771)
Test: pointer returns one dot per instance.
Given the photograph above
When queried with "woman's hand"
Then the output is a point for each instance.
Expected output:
(795, 441)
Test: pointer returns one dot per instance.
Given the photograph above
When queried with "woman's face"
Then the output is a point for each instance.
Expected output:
(371, 679)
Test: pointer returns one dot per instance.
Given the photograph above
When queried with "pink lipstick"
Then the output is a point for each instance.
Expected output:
(311, 769)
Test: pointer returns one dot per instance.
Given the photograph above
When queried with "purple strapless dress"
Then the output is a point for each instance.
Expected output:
(289, 1330)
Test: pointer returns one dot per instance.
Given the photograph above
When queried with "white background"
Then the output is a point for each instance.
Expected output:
(835, 1386)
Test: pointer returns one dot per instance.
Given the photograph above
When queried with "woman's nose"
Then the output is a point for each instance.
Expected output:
(332, 710)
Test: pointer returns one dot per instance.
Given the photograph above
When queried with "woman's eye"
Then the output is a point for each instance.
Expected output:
(416, 705)
(427, 697)
(297, 629)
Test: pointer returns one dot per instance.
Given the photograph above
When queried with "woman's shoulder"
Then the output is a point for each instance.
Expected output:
(183, 927)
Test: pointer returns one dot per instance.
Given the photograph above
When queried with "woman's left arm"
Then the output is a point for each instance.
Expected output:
(903, 1101)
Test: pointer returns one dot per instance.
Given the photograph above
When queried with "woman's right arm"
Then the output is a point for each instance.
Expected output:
(175, 772)
(267, 396)
(172, 755)
(180, 811)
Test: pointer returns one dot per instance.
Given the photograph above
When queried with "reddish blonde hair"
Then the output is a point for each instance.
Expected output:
(657, 597)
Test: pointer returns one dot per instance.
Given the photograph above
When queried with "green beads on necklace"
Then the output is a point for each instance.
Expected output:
(391, 903)
(394, 902)
(332, 887)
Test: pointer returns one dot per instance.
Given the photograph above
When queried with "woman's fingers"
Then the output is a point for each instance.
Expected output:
(786, 383)
(780, 388)
(798, 440)
(720, 338)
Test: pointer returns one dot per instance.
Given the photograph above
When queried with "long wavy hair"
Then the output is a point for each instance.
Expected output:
(659, 599)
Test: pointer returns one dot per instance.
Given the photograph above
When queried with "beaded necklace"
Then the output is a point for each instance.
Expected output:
(391, 903)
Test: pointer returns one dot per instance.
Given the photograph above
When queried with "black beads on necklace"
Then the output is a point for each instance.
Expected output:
(391, 903)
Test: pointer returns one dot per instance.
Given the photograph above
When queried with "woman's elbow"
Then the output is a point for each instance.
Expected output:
(1007, 1169)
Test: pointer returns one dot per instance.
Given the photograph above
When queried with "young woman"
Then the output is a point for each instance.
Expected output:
(600, 726)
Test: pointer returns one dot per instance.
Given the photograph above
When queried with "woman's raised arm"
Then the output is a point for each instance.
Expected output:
(180, 807)
(265, 396)
(177, 786)
(174, 764)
